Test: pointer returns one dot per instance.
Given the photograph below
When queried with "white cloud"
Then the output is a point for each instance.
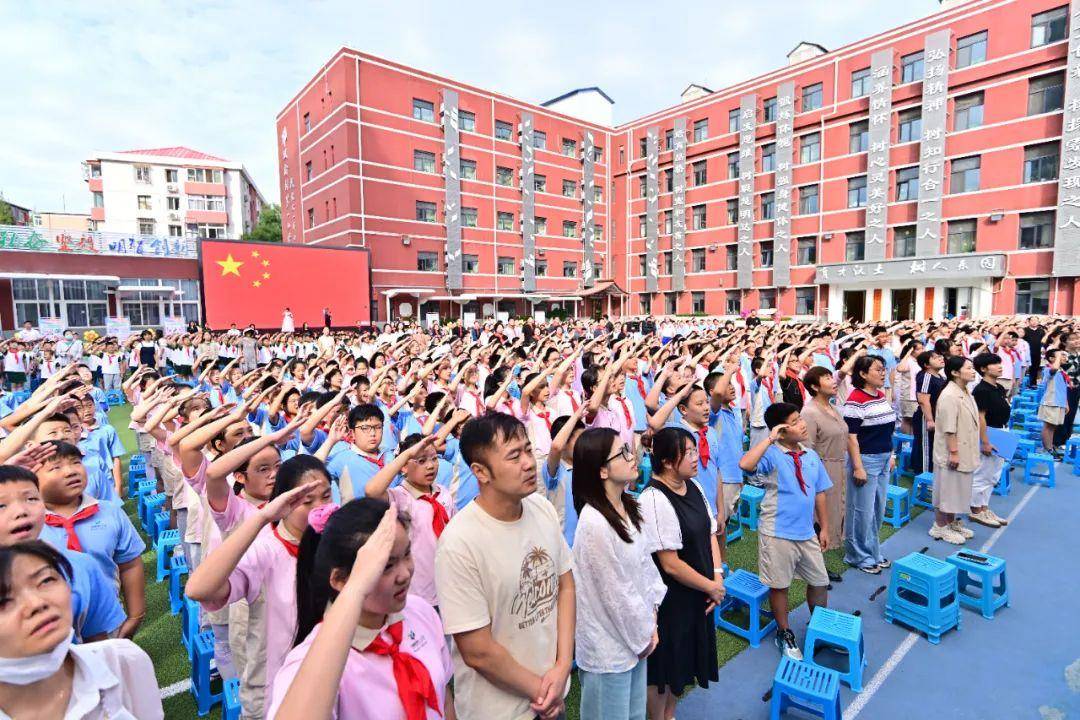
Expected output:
(113, 76)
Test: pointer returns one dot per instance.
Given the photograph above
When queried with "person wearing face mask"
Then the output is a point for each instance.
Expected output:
(355, 612)
(42, 673)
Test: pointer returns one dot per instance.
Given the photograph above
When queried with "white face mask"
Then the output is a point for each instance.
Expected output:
(29, 670)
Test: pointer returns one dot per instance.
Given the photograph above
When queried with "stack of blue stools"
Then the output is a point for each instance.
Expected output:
(177, 569)
(230, 703)
(900, 440)
(202, 674)
(897, 506)
(1024, 447)
(165, 545)
(151, 505)
(745, 589)
(830, 628)
(806, 687)
(161, 523)
(923, 595)
(1033, 475)
(136, 473)
(922, 490)
(114, 397)
(1033, 428)
(733, 530)
(749, 505)
(1004, 484)
(1072, 453)
(972, 573)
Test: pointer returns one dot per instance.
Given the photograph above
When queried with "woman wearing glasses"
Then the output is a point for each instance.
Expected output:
(680, 527)
(618, 586)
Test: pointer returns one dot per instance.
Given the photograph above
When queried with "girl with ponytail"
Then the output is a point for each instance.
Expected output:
(365, 647)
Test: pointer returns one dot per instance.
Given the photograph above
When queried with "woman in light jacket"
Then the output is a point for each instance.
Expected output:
(618, 586)
(956, 452)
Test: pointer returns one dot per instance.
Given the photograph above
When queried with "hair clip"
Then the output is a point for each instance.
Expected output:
(319, 516)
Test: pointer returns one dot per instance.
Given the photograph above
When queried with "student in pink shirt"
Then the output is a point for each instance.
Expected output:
(536, 414)
(370, 649)
(430, 506)
(259, 558)
(608, 407)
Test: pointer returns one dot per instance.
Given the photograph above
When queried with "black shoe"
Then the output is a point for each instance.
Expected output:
(834, 576)
(885, 564)
(785, 643)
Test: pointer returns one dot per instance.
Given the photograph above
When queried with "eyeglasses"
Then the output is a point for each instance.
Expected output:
(370, 429)
(626, 452)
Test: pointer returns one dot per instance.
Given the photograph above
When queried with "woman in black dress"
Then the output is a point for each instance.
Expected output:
(928, 385)
(677, 519)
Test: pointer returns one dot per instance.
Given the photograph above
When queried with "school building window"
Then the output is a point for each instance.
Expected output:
(856, 193)
(1049, 27)
(860, 83)
(422, 161)
(697, 302)
(425, 211)
(1041, 162)
(907, 184)
(697, 260)
(808, 199)
(1033, 297)
(505, 266)
(807, 251)
(911, 67)
(1046, 93)
(805, 301)
(466, 121)
(855, 246)
(427, 262)
(810, 148)
(503, 130)
(767, 299)
(1037, 230)
(504, 221)
(961, 236)
(813, 97)
(964, 175)
(733, 302)
(968, 112)
(423, 110)
(971, 49)
(904, 241)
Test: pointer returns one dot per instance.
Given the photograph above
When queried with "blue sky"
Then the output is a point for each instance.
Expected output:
(82, 77)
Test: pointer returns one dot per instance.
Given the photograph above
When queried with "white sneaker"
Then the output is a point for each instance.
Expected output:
(984, 517)
(1000, 520)
(958, 527)
(946, 533)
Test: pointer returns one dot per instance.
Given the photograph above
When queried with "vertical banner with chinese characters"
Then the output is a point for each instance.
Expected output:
(932, 147)
(678, 207)
(452, 178)
(528, 204)
(588, 200)
(785, 122)
(877, 160)
(652, 207)
(744, 262)
(1067, 231)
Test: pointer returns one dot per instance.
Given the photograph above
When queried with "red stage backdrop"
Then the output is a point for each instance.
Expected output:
(249, 282)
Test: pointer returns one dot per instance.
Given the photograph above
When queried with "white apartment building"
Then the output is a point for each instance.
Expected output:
(173, 192)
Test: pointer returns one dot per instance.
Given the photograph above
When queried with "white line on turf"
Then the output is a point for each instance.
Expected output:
(176, 688)
(883, 673)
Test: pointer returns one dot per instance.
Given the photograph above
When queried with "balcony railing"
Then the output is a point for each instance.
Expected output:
(34, 239)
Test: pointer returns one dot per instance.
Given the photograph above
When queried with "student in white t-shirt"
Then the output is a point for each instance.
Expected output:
(505, 586)
(111, 365)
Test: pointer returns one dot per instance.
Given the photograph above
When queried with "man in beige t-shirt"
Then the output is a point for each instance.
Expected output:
(506, 591)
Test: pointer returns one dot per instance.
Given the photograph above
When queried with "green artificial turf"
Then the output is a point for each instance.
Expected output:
(159, 634)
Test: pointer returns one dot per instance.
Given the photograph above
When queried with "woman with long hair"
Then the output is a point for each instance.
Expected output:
(679, 523)
(618, 587)
(365, 647)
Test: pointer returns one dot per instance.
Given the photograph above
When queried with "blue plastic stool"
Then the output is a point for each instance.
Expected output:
(744, 588)
(749, 505)
(166, 542)
(205, 697)
(1024, 447)
(968, 573)
(733, 530)
(923, 595)
(230, 704)
(189, 625)
(899, 439)
(1072, 450)
(114, 398)
(135, 476)
(809, 688)
(20, 396)
(644, 472)
(1032, 475)
(151, 505)
(841, 630)
(137, 460)
(1004, 484)
(161, 523)
(922, 491)
(177, 569)
(897, 506)
(903, 466)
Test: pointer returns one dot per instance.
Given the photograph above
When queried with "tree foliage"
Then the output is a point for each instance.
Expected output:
(268, 229)
(7, 217)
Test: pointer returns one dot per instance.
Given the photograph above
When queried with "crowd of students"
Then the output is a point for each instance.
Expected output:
(445, 522)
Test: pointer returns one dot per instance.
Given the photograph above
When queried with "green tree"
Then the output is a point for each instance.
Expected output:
(268, 229)
(7, 217)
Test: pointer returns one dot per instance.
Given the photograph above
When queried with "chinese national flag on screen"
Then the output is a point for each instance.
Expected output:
(253, 283)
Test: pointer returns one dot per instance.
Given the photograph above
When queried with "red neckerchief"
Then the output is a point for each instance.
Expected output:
(573, 401)
(703, 446)
(414, 686)
(374, 460)
(68, 523)
(290, 547)
(769, 387)
(796, 455)
(792, 374)
(546, 417)
(640, 384)
(626, 411)
(439, 516)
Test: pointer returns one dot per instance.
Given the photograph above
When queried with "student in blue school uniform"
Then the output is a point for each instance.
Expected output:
(359, 460)
(693, 405)
(77, 521)
(795, 482)
(558, 470)
(95, 607)
(725, 420)
(102, 441)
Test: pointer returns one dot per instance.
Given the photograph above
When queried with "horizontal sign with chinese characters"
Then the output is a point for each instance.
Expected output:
(32, 239)
(918, 270)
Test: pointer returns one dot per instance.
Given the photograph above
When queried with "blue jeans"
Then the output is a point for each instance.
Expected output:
(613, 696)
(865, 512)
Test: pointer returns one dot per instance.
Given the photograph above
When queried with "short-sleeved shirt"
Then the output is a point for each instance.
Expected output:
(886, 354)
(361, 468)
(463, 483)
(107, 536)
(990, 399)
(95, 606)
(871, 419)
(563, 476)
(422, 534)
(504, 575)
(786, 511)
(728, 428)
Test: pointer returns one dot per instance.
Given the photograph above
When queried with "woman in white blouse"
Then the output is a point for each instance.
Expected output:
(618, 586)
(42, 674)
